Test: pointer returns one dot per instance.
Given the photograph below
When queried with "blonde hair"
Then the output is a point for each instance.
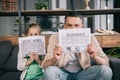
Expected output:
(33, 25)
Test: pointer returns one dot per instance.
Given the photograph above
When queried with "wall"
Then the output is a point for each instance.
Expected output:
(7, 24)
(101, 21)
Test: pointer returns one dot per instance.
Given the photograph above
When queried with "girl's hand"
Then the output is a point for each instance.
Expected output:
(29, 61)
(36, 58)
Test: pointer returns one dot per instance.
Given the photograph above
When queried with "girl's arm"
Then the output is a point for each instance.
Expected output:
(21, 62)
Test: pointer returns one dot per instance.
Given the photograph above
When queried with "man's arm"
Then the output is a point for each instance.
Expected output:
(49, 59)
(97, 53)
(102, 60)
(50, 62)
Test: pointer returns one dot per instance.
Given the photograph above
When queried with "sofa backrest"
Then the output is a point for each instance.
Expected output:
(5, 51)
(11, 63)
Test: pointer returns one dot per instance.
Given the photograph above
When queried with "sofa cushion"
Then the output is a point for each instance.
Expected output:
(11, 64)
(115, 66)
(5, 50)
(1, 72)
(11, 76)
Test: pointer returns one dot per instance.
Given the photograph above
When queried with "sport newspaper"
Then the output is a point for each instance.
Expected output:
(32, 44)
(74, 40)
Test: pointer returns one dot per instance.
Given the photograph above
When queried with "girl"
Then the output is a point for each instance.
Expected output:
(31, 66)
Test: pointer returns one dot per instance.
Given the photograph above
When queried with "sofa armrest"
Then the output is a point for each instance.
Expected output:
(115, 66)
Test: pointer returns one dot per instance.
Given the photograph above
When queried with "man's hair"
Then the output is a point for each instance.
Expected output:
(73, 14)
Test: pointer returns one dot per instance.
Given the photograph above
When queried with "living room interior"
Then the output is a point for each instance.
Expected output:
(101, 16)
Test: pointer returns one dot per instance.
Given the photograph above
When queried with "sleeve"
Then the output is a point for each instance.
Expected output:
(52, 42)
(50, 47)
(21, 62)
(96, 44)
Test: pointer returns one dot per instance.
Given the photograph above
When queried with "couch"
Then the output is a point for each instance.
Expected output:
(8, 63)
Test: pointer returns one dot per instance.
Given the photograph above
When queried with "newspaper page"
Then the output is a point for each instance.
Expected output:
(28, 45)
(74, 40)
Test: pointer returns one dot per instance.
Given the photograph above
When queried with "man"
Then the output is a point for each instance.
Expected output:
(62, 66)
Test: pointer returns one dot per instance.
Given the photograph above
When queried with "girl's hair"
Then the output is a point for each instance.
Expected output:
(33, 25)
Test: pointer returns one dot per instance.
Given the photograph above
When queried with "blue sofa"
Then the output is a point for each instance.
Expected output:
(8, 63)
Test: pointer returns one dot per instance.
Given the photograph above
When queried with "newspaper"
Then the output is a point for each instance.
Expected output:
(28, 45)
(74, 40)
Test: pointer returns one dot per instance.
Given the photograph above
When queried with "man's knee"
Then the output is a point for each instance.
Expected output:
(106, 71)
(49, 70)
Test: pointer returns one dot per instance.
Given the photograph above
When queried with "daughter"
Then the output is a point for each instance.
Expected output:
(31, 66)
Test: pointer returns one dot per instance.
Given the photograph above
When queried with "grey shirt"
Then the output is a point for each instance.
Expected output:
(73, 64)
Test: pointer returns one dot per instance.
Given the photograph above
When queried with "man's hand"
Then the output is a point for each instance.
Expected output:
(57, 51)
(91, 50)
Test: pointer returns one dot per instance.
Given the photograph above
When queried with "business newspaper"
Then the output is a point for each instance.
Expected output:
(74, 40)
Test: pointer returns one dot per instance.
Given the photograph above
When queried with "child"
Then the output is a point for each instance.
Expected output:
(31, 66)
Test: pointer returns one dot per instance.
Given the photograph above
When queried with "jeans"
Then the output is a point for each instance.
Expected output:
(36, 79)
(97, 72)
